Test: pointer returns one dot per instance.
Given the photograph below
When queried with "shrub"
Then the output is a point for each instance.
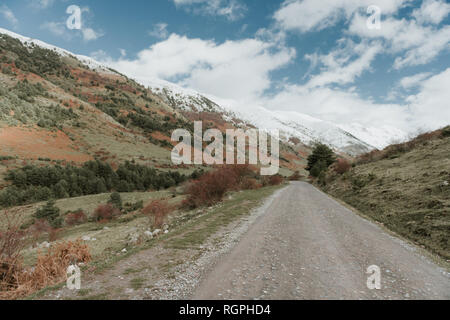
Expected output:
(116, 200)
(250, 184)
(342, 166)
(295, 176)
(446, 131)
(275, 180)
(50, 213)
(130, 207)
(211, 187)
(105, 212)
(75, 218)
(157, 211)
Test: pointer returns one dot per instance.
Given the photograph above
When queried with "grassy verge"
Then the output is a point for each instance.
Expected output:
(189, 231)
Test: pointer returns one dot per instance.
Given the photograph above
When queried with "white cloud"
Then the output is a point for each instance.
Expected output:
(233, 69)
(57, 28)
(313, 15)
(429, 107)
(159, 31)
(413, 43)
(41, 4)
(90, 34)
(8, 15)
(338, 67)
(432, 11)
(231, 9)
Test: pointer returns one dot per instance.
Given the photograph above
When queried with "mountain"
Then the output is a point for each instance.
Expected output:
(63, 108)
(351, 139)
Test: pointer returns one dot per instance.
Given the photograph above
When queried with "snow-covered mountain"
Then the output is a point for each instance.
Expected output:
(352, 139)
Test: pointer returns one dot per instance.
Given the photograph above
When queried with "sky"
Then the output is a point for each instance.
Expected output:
(375, 63)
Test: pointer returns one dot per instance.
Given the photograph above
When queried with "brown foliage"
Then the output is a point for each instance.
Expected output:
(250, 184)
(342, 166)
(74, 218)
(212, 186)
(157, 210)
(295, 176)
(105, 212)
(12, 241)
(275, 180)
(50, 269)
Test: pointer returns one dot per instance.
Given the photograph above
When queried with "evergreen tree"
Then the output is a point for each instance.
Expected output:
(50, 213)
(321, 158)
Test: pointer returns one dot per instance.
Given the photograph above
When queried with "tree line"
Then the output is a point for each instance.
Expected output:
(32, 183)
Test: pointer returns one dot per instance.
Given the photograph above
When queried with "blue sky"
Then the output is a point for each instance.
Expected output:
(315, 57)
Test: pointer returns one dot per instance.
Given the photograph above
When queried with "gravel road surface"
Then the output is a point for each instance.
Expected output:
(308, 246)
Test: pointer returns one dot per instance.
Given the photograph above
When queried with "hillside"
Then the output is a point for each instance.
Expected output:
(56, 107)
(406, 187)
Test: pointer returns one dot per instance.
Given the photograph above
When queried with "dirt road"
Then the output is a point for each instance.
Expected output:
(308, 246)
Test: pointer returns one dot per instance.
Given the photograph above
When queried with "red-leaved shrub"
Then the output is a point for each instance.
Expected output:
(157, 211)
(342, 166)
(275, 180)
(211, 187)
(105, 212)
(75, 218)
(250, 184)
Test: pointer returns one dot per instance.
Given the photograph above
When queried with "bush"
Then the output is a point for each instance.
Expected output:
(75, 218)
(50, 213)
(105, 212)
(295, 176)
(446, 132)
(342, 166)
(275, 180)
(250, 184)
(116, 200)
(211, 187)
(157, 211)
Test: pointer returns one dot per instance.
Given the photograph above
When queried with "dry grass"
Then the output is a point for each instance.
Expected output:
(50, 269)
(157, 211)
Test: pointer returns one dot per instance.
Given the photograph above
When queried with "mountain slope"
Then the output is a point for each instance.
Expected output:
(353, 139)
(60, 108)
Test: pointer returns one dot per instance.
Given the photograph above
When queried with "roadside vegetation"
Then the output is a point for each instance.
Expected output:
(36, 247)
(406, 187)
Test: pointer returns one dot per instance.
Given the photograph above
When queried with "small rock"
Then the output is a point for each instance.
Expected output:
(166, 231)
(86, 238)
(124, 250)
(148, 234)
(156, 232)
(44, 244)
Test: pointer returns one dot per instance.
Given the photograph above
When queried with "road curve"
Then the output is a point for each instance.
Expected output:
(308, 246)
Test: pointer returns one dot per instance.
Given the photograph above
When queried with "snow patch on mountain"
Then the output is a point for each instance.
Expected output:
(353, 139)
